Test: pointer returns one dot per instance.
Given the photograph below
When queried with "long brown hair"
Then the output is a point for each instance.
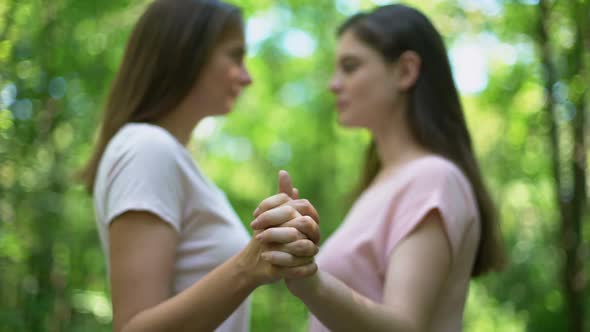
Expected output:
(167, 50)
(436, 117)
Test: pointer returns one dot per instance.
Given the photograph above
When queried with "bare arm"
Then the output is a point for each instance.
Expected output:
(142, 255)
(417, 270)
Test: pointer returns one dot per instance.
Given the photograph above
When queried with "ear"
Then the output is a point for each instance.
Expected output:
(408, 66)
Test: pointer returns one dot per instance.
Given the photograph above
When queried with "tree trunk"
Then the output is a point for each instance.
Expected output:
(571, 199)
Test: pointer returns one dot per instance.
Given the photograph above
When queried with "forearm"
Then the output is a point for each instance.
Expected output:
(201, 307)
(340, 308)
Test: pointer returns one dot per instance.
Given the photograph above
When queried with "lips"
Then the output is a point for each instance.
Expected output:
(234, 93)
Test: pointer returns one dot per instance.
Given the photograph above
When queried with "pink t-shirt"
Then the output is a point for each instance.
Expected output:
(358, 252)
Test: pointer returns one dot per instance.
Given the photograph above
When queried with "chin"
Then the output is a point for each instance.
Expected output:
(225, 109)
(229, 106)
(347, 121)
(220, 111)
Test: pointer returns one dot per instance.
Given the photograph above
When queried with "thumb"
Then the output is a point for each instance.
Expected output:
(285, 184)
(295, 194)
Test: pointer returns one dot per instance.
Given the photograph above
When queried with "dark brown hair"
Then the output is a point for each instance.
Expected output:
(167, 50)
(435, 114)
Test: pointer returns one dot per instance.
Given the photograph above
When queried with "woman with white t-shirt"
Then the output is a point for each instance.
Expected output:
(179, 258)
(424, 224)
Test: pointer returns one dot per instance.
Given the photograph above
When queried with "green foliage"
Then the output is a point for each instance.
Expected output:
(56, 62)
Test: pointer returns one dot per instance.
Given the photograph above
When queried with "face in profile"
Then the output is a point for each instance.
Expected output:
(364, 84)
(222, 78)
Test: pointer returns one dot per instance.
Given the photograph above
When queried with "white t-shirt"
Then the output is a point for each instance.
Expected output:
(144, 168)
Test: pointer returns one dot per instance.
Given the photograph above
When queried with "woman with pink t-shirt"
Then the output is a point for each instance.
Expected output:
(424, 223)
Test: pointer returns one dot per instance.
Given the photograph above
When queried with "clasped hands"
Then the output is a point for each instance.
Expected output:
(286, 236)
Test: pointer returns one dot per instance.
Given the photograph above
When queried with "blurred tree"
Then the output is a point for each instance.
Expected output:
(57, 59)
(569, 168)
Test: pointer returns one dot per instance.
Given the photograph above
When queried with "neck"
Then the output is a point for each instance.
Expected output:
(179, 124)
(181, 132)
(395, 143)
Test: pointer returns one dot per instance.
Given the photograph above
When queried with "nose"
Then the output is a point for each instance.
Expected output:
(335, 84)
(245, 78)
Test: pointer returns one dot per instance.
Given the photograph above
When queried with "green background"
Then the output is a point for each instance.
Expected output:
(57, 58)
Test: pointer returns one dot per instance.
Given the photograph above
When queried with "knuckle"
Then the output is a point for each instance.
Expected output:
(294, 223)
(272, 256)
(299, 272)
(296, 262)
(290, 272)
(307, 244)
(262, 218)
(299, 236)
(307, 226)
(266, 203)
(306, 270)
(282, 257)
(267, 235)
(304, 251)
(313, 268)
(296, 204)
(290, 210)
(285, 259)
(309, 221)
(300, 247)
(288, 224)
(293, 234)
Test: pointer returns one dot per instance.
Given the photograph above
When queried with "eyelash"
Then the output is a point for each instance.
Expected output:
(349, 67)
(237, 57)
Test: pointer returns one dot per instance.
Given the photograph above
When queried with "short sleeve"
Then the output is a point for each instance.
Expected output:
(440, 187)
(145, 175)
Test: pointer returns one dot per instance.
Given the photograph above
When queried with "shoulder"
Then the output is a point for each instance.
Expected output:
(435, 166)
(144, 142)
(141, 150)
(448, 185)
(439, 180)
(144, 137)
(435, 171)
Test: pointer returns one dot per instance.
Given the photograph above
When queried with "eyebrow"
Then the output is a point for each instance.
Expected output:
(348, 57)
(239, 49)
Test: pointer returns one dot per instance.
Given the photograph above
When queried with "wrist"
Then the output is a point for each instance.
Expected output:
(304, 286)
(243, 272)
